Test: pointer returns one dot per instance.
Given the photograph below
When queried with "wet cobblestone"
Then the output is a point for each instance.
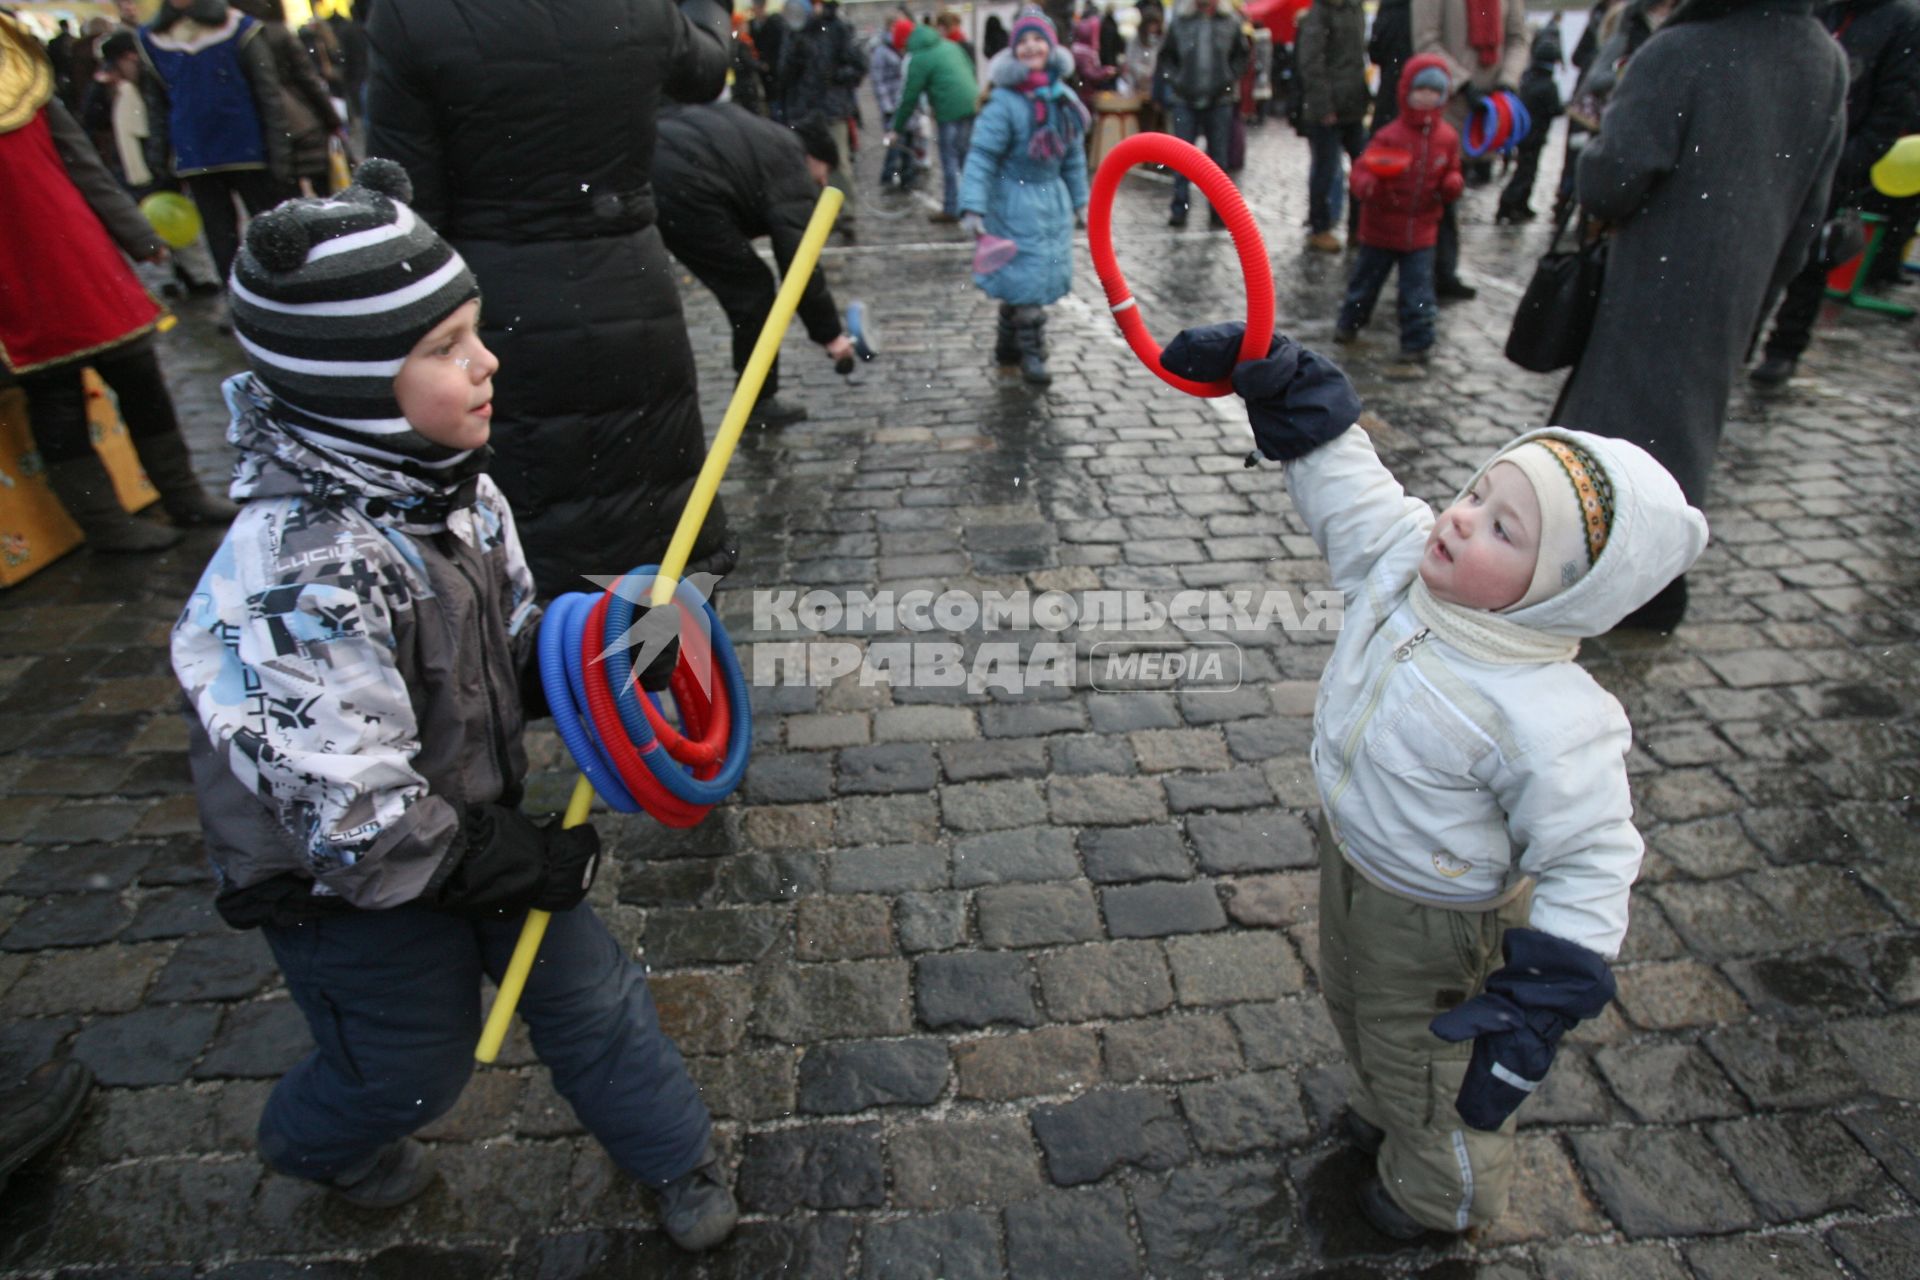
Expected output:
(985, 986)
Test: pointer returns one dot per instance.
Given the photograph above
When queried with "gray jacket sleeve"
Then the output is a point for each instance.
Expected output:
(108, 200)
(256, 58)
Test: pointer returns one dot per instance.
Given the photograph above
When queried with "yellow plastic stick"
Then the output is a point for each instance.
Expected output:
(745, 395)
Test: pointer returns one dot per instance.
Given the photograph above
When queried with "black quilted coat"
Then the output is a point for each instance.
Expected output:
(528, 129)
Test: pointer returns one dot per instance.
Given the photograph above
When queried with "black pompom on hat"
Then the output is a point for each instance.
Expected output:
(329, 295)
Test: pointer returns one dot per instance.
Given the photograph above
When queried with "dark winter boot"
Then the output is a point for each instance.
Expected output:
(393, 1175)
(40, 1111)
(697, 1208)
(1006, 340)
(1032, 330)
(86, 491)
(170, 467)
(1774, 371)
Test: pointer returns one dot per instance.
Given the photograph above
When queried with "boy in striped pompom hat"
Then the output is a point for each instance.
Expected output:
(354, 658)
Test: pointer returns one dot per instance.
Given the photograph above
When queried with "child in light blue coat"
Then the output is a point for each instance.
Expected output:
(1026, 181)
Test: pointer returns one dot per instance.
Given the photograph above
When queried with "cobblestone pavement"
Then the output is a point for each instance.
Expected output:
(979, 985)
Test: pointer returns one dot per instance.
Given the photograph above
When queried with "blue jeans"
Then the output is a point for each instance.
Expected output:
(1327, 141)
(393, 1001)
(955, 137)
(1188, 124)
(1417, 303)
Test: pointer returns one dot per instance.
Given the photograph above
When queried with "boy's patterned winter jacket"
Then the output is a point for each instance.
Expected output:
(352, 657)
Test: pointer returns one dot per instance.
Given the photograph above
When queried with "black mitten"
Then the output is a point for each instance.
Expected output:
(1297, 399)
(1546, 987)
(507, 863)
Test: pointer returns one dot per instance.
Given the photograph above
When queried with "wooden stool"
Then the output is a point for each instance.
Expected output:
(1116, 117)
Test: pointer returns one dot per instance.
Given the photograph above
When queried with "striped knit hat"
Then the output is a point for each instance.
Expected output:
(1035, 20)
(329, 296)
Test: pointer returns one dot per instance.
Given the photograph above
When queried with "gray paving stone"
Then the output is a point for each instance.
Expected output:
(1892, 1135)
(68, 920)
(1089, 754)
(1668, 1081)
(811, 1249)
(1779, 1257)
(708, 1012)
(1880, 1250)
(961, 1245)
(1777, 1066)
(890, 868)
(1156, 910)
(955, 1164)
(887, 768)
(1801, 1166)
(818, 1166)
(843, 929)
(1110, 802)
(1080, 1235)
(1234, 1220)
(1182, 1047)
(1125, 712)
(1229, 789)
(175, 913)
(1030, 854)
(807, 1002)
(1034, 915)
(1662, 1182)
(1088, 1138)
(883, 820)
(1235, 967)
(1674, 994)
(1261, 840)
(704, 935)
(1214, 708)
(1118, 854)
(1548, 1201)
(1815, 987)
(1028, 1064)
(1266, 738)
(992, 806)
(930, 921)
(788, 779)
(974, 990)
(87, 869)
(924, 724)
(1607, 1261)
(1032, 719)
(1238, 1114)
(836, 1079)
(1117, 980)
(1274, 901)
(1285, 1034)
(1571, 1094)
(231, 966)
(997, 758)
(1882, 1051)
(259, 1039)
(147, 1046)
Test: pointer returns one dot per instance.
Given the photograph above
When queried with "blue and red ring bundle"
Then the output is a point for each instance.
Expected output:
(617, 733)
(1499, 121)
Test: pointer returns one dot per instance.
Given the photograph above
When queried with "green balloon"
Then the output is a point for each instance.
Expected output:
(174, 217)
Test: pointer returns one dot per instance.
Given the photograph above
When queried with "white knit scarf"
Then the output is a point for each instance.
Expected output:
(1488, 637)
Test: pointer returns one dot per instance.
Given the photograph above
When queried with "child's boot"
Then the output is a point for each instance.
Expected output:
(1386, 1217)
(170, 467)
(697, 1208)
(1006, 341)
(390, 1177)
(1033, 346)
(86, 491)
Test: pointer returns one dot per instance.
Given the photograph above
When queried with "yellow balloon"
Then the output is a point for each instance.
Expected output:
(174, 217)
(1897, 173)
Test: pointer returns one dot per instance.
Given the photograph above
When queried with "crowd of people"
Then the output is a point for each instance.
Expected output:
(420, 471)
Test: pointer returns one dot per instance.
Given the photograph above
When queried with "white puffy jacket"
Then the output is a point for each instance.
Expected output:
(1450, 780)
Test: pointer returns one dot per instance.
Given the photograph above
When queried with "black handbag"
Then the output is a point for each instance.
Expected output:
(1555, 317)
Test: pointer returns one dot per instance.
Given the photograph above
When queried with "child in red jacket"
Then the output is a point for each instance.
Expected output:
(1409, 172)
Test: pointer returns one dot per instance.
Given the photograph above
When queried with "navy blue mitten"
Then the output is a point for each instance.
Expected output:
(1546, 987)
(1297, 399)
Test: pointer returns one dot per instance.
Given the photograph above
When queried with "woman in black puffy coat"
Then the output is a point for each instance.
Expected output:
(528, 131)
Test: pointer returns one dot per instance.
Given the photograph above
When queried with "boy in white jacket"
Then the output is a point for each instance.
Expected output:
(1472, 778)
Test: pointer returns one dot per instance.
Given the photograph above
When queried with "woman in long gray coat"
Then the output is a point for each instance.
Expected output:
(1712, 166)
